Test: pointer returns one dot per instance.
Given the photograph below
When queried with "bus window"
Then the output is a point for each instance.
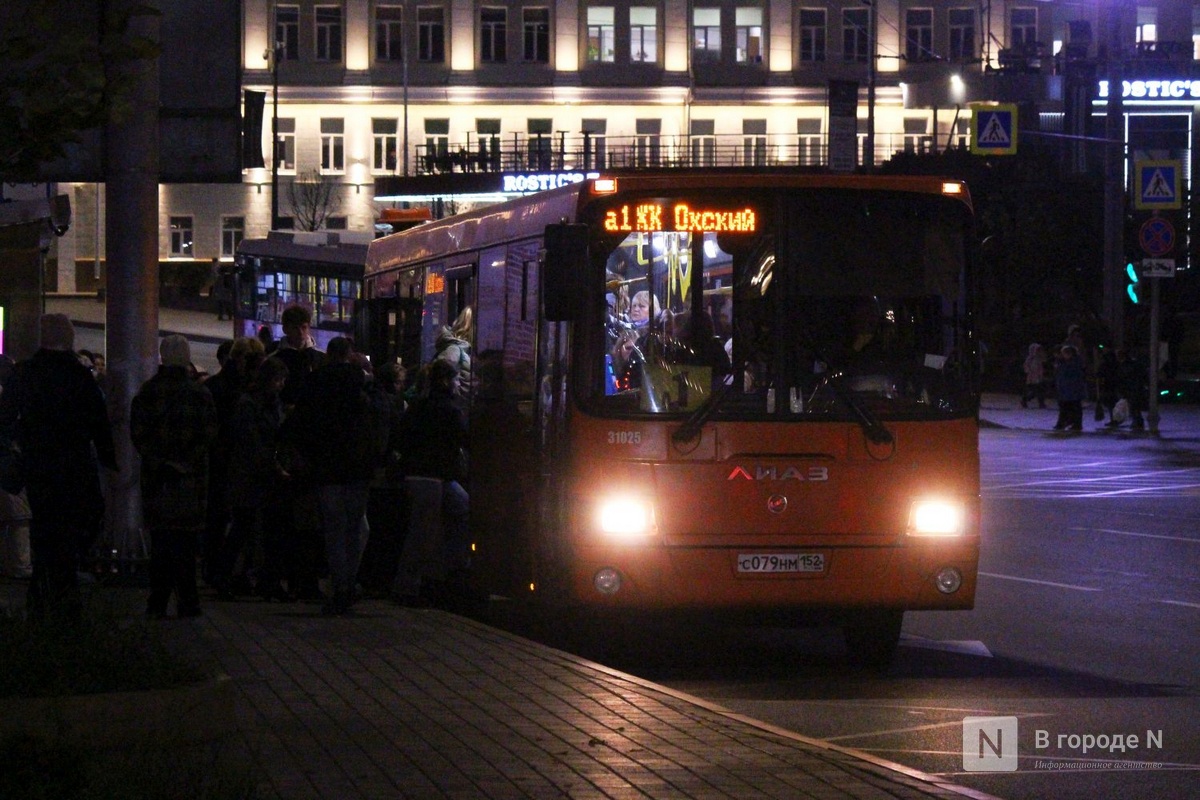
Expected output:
(851, 299)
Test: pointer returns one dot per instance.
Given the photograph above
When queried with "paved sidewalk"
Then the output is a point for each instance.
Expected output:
(396, 702)
(1176, 420)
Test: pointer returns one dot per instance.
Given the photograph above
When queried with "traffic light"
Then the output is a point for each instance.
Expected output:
(1133, 288)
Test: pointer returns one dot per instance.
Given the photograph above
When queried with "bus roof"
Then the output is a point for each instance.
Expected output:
(321, 247)
(528, 216)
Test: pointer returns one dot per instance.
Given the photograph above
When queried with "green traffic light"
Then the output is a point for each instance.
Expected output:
(1132, 287)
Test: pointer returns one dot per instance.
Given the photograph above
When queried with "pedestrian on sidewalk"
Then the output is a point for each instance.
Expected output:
(1035, 376)
(54, 410)
(435, 435)
(1108, 392)
(336, 432)
(1070, 384)
(254, 473)
(1133, 385)
(173, 424)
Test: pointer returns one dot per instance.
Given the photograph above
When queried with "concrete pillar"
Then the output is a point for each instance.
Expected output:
(131, 248)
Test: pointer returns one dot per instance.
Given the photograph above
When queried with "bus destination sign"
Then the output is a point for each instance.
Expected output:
(658, 218)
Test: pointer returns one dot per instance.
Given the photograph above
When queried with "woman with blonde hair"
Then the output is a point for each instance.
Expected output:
(454, 345)
(642, 308)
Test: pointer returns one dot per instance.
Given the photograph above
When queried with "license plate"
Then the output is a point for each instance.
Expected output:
(759, 563)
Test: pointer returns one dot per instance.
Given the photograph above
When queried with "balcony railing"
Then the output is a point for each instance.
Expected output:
(585, 152)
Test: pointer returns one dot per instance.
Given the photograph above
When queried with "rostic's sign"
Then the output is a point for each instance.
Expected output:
(540, 181)
(1161, 90)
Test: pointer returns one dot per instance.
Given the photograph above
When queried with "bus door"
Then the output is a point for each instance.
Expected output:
(448, 291)
(389, 329)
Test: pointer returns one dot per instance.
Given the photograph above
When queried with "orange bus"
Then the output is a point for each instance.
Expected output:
(719, 392)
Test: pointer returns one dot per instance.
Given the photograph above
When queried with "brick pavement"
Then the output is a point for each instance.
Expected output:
(402, 703)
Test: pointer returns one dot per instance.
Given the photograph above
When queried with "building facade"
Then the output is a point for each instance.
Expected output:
(453, 102)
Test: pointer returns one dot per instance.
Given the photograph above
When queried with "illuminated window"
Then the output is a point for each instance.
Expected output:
(754, 142)
(328, 33)
(333, 145)
(437, 142)
(493, 28)
(706, 35)
(535, 29)
(387, 143)
(287, 144)
(648, 142)
(643, 34)
(808, 144)
(703, 143)
(595, 144)
(233, 230)
(812, 34)
(601, 40)
(748, 29)
(541, 143)
(181, 237)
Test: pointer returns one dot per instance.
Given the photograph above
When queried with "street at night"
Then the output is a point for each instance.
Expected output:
(1084, 625)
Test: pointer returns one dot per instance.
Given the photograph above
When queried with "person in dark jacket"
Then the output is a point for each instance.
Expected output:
(434, 435)
(243, 355)
(54, 410)
(1070, 383)
(254, 473)
(173, 423)
(298, 351)
(335, 431)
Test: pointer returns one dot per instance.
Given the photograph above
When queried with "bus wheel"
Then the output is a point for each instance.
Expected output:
(871, 640)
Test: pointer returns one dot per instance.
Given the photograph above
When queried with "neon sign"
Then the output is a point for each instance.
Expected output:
(654, 218)
(1165, 90)
(540, 181)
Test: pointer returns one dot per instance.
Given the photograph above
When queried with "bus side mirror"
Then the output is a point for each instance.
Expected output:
(564, 270)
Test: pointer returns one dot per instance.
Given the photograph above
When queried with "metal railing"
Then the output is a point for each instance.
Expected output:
(563, 152)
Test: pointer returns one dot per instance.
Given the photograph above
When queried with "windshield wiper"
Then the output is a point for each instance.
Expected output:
(875, 431)
(691, 426)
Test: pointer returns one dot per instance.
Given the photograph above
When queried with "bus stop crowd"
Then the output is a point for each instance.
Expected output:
(290, 475)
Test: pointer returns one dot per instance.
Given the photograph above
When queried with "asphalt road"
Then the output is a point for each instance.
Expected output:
(1087, 624)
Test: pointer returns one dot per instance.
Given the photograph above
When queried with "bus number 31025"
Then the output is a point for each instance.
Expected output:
(624, 437)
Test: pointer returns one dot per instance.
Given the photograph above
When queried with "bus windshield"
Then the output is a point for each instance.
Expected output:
(802, 304)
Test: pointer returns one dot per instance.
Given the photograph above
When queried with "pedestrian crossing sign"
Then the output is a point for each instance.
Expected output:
(1158, 184)
(994, 129)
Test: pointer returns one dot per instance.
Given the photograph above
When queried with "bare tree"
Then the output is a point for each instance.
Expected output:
(314, 199)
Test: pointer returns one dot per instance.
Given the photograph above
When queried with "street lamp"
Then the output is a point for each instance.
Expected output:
(869, 156)
(404, 61)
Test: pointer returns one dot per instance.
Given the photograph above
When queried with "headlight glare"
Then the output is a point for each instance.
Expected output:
(935, 517)
(626, 516)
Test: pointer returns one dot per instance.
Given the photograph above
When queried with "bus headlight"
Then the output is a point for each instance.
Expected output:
(626, 516)
(936, 517)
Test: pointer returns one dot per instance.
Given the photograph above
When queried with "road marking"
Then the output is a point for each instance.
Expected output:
(1175, 487)
(1179, 603)
(1043, 583)
(1100, 479)
(1142, 535)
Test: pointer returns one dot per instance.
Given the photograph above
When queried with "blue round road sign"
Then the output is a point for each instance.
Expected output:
(1156, 236)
